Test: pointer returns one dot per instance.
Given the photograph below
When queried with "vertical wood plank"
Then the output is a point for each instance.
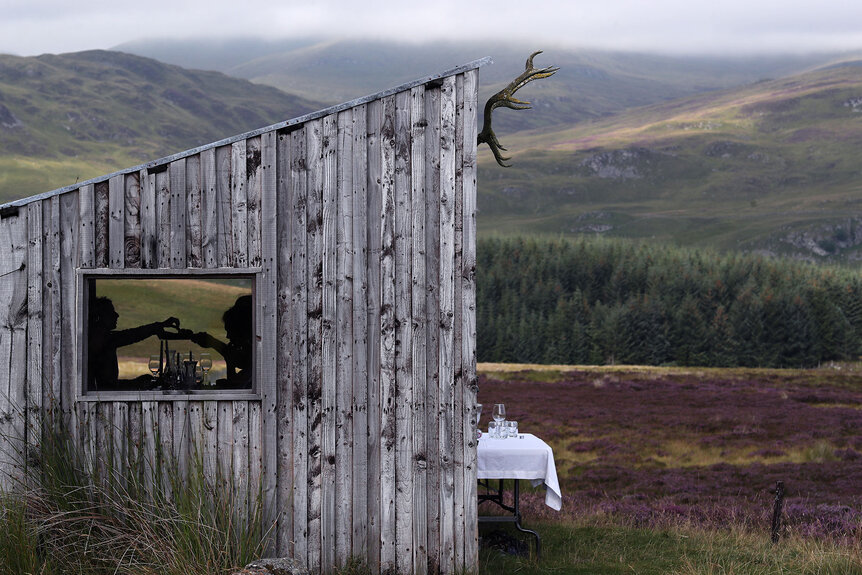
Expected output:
(210, 440)
(149, 443)
(50, 396)
(149, 218)
(226, 437)
(359, 322)
(239, 205)
(87, 255)
(468, 316)
(119, 442)
(134, 438)
(194, 249)
(403, 337)
(69, 262)
(100, 429)
(178, 213)
(240, 447)
(299, 341)
(15, 324)
(419, 319)
(224, 234)
(209, 209)
(447, 312)
(328, 339)
(254, 173)
(34, 322)
(268, 347)
(459, 417)
(116, 221)
(88, 422)
(314, 139)
(196, 431)
(165, 448)
(56, 307)
(285, 352)
(13, 347)
(432, 307)
(102, 223)
(343, 381)
(255, 461)
(87, 217)
(163, 219)
(132, 223)
(375, 207)
(181, 437)
(388, 380)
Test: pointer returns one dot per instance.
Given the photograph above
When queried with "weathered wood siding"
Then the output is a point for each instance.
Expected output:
(360, 225)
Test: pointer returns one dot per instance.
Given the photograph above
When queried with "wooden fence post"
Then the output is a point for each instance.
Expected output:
(776, 510)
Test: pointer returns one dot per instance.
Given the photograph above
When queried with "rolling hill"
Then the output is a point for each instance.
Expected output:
(773, 167)
(75, 116)
(693, 151)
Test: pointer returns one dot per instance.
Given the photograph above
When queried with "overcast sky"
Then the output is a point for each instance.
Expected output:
(30, 27)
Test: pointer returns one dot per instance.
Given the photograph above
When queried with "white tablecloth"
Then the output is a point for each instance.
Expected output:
(522, 457)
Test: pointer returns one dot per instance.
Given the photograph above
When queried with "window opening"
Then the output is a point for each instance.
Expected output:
(174, 335)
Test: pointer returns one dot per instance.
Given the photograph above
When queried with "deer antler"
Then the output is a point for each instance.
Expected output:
(505, 97)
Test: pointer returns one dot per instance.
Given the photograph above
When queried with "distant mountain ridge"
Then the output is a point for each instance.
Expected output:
(88, 113)
(590, 83)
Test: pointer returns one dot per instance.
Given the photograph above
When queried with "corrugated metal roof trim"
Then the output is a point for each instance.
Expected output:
(279, 126)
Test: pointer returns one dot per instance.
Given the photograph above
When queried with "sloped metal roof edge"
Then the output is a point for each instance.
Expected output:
(279, 126)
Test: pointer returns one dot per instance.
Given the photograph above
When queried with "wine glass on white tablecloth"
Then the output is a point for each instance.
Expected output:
(499, 413)
(478, 416)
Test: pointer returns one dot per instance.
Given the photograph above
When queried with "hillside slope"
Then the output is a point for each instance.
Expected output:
(75, 116)
(772, 167)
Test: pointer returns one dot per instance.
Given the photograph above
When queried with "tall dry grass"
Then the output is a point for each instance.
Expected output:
(66, 515)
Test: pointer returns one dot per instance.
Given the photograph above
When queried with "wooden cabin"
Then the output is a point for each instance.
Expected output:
(354, 229)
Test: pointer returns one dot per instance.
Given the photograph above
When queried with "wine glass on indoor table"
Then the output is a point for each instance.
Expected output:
(206, 364)
(155, 365)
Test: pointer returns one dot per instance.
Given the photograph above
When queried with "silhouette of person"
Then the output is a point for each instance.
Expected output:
(104, 339)
(237, 352)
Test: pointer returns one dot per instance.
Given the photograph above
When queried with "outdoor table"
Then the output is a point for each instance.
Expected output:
(523, 457)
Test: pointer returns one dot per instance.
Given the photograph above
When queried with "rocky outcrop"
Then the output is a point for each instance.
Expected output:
(274, 566)
(826, 240)
(617, 164)
(8, 119)
(854, 104)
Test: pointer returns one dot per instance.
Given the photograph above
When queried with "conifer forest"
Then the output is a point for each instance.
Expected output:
(600, 301)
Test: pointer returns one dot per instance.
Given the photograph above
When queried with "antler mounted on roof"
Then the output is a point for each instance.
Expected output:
(505, 97)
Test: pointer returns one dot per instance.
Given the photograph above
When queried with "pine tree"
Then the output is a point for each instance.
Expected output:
(689, 334)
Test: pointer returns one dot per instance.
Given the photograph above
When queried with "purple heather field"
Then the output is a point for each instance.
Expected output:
(659, 447)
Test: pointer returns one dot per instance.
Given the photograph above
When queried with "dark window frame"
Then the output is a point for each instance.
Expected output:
(84, 279)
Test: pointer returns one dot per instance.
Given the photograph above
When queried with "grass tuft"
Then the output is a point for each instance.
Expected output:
(600, 545)
(69, 515)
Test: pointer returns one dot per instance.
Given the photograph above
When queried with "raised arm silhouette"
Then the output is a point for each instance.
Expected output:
(104, 338)
(237, 352)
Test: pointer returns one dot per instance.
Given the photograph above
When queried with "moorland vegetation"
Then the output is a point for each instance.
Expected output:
(672, 470)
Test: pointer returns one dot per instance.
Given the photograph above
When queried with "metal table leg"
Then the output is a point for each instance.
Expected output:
(497, 498)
